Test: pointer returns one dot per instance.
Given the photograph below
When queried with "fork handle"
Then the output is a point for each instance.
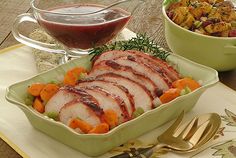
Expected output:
(142, 153)
(148, 153)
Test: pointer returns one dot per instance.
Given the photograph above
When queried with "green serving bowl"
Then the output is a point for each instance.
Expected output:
(216, 52)
(92, 144)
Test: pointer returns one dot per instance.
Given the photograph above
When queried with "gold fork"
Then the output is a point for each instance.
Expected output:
(182, 139)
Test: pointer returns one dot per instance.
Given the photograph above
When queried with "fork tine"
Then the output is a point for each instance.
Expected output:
(215, 122)
(200, 132)
(206, 136)
(175, 125)
(189, 129)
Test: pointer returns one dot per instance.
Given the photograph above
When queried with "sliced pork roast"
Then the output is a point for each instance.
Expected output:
(122, 81)
(77, 109)
(113, 88)
(63, 96)
(108, 101)
(142, 97)
(109, 66)
(156, 63)
(160, 81)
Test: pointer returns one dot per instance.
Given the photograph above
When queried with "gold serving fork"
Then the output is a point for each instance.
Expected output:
(182, 139)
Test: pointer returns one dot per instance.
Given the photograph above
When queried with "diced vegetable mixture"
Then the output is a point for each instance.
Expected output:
(208, 17)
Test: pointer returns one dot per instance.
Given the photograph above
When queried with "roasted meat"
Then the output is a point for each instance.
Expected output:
(114, 89)
(142, 97)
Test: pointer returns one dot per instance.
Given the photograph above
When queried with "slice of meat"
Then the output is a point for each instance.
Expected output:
(109, 66)
(156, 62)
(155, 77)
(58, 100)
(142, 97)
(108, 101)
(77, 109)
(65, 95)
(150, 65)
(113, 88)
(160, 66)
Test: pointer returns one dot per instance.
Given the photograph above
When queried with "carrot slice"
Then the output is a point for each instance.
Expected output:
(110, 117)
(186, 82)
(72, 76)
(48, 91)
(38, 105)
(35, 89)
(169, 95)
(82, 125)
(101, 128)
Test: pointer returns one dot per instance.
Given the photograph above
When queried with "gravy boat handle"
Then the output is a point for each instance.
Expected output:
(28, 17)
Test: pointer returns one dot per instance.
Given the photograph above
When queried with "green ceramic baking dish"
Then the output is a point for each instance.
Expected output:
(94, 145)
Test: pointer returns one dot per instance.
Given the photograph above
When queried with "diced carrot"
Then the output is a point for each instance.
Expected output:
(101, 128)
(48, 91)
(72, 76)
(186, 82)
(35, 89)
(38, 105)
(110, 117)
(169, 95)
(82, 125)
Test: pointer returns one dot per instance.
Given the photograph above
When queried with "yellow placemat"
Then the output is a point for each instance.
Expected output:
(13, 146)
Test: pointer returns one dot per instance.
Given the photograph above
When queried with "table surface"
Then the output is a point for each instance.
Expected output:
(150, 22)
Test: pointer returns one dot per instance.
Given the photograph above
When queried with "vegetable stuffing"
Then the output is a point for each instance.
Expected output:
(208, 17)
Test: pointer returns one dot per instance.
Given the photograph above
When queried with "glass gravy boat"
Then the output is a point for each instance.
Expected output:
(78, 25)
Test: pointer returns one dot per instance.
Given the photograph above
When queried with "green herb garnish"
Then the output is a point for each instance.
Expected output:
(197, 23)
(140, 43)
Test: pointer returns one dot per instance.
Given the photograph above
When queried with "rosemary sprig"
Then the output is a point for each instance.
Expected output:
(140, 43)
